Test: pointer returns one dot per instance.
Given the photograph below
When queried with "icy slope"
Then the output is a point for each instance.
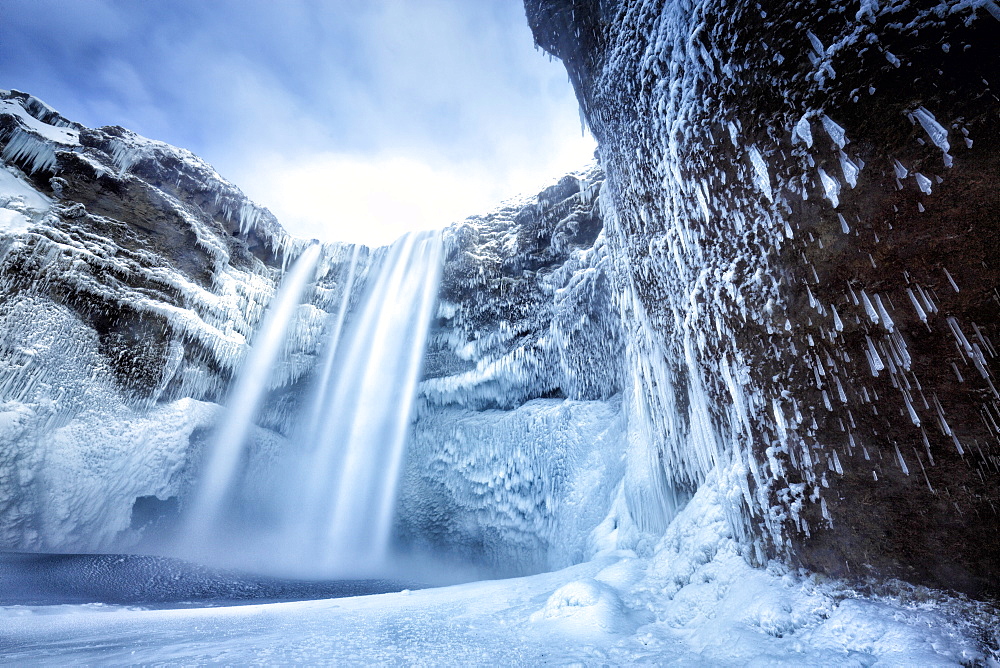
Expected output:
(695, 603)
(800, 211)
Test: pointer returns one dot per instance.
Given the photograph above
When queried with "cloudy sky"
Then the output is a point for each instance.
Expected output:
(350, 119)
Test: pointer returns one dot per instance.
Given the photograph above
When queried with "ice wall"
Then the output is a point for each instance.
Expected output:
(517, 450)
(797, 214)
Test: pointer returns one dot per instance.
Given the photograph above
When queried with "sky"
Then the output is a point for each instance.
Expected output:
(352, 120)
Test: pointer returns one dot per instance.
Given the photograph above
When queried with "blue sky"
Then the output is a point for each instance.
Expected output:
(350, 119)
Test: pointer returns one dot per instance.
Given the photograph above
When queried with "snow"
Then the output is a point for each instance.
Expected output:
(12, 222)
(52, 133)
(15, 191)
(694, 602)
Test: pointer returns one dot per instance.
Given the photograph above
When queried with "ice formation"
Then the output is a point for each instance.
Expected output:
(136, 285)
(776, 269)
(726, 346)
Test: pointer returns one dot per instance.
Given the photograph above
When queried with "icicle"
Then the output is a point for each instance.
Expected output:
(843, 224)
(916, 306)
(937, 132)
(951, 280)
(850, 170)
(869, 309)
(24, 146)
(831, 187)
(902, 463)
(883, 315)
(816, 44)
(763, 178)
(836, 133)
(923, 182)
(803, 132)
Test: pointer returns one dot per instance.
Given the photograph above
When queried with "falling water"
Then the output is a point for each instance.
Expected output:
(321, 398)
(341, 493)
(223, 459)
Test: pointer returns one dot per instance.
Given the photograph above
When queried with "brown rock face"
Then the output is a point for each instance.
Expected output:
(138, 231)
(806, 233)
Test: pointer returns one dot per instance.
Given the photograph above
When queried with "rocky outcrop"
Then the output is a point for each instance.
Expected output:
(132, 279)
(802, 223)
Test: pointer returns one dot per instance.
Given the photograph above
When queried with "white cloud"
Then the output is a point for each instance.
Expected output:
(350, 120)
(374, 200)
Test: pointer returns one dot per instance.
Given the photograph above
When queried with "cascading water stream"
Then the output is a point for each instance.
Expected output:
(320, 398)
(223, 459)
(340, 492)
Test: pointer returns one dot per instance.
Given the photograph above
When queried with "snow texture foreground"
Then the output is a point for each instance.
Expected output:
(695, 602)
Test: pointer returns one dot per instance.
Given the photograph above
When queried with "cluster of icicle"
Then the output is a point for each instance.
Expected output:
(523, 333)
(701, 240)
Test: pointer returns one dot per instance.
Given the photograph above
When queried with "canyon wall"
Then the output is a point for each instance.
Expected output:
(802, 220)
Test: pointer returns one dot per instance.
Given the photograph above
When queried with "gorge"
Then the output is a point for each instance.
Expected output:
(729, 393)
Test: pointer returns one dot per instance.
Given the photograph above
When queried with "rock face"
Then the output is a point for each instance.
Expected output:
(133, 277)
(801, 214)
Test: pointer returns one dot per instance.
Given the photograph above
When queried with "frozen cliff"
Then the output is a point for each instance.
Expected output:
(780, 278)
(517, 450)
(136, 279)
(801, 219)
(133, 277)
(725, 385)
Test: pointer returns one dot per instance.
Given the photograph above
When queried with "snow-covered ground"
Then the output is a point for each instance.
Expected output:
(693, 602)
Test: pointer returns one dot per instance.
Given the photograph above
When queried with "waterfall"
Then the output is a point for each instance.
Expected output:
(320, 396)
(340, 490)
(329, 499)
(223, 459)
